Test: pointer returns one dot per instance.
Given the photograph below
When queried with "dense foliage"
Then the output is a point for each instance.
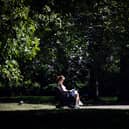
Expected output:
(85, 40)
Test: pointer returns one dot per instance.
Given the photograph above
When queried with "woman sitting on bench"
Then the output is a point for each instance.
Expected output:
(74, 93)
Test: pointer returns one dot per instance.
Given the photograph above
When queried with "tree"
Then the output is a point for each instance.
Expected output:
(17, 40)
(87, 41)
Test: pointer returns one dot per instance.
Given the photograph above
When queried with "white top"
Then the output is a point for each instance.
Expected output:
(63, 88)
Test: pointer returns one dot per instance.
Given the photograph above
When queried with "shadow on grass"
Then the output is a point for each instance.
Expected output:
(65, 119)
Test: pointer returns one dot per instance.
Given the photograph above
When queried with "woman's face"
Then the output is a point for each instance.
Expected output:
(63, 78)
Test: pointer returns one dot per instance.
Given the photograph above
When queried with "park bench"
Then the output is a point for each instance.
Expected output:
(64, 99)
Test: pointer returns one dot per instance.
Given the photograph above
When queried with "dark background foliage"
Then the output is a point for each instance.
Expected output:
(87, 41)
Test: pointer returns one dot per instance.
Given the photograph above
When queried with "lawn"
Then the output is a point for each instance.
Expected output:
(45, 116)
(24, 106)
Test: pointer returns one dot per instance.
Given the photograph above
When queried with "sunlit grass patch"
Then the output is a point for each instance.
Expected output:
(24, 106)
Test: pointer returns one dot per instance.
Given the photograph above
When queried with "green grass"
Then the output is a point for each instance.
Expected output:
(32, 116)
(24, 106)
(29, 99)
(108, 98)
(51, 100)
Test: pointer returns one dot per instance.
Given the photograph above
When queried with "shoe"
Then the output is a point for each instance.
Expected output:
(76, 107)
(80, 103)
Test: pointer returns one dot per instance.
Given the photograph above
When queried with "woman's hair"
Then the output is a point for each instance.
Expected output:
(60, 77)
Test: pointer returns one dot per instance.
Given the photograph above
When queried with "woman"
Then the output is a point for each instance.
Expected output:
(72, 92)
